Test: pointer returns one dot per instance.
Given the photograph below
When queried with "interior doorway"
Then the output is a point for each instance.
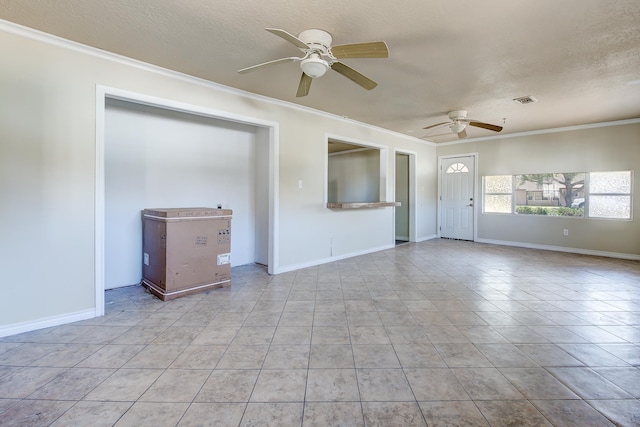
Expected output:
(402, 195)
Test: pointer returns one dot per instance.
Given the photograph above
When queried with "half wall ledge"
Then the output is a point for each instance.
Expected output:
(359, 205)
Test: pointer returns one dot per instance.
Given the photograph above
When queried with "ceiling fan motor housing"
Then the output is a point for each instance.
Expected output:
(458, 115)
(318, 40)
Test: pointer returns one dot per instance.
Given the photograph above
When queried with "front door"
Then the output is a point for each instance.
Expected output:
(457, 175)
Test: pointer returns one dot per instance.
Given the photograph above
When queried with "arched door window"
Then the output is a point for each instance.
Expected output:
(457, 168)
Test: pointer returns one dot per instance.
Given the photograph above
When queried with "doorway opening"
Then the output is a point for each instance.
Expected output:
(405, 193)
(402, 196)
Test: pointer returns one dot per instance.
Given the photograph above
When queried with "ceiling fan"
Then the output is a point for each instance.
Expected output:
(319, 56)
(459, 122)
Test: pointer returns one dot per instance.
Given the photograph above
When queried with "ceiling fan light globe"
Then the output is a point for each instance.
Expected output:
(457, 127)
(314, 66)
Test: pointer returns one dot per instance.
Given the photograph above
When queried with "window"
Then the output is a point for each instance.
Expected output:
(498, 193)
(549, 194)
(577, 194)
(610, 195)
(458, 168)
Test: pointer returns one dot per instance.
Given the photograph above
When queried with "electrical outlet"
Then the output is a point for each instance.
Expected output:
(565, 231)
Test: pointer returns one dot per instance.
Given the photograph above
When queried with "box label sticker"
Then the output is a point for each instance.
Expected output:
(224, 259)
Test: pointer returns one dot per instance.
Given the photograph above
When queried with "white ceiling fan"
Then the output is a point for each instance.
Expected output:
(459, 122)
(319, 56)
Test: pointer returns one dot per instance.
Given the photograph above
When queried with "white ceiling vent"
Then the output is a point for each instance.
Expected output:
(525, 99)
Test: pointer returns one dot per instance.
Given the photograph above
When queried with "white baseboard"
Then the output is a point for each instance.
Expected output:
(425, 238)
(314, 263)
(560, 249)
(47, 322)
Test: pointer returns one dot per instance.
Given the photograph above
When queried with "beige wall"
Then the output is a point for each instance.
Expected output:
(608, 148)
(48, 174)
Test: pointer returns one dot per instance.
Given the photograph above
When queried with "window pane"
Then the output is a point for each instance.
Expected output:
(610, 207)
(497, 203)
(554, 194)
(457, 168)
(610, 182)
(498, 184)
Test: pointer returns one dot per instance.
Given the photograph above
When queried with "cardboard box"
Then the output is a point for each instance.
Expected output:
(186, 250)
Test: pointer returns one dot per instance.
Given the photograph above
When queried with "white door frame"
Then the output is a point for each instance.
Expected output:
(104, 92)
(475, 191)
(413, 192)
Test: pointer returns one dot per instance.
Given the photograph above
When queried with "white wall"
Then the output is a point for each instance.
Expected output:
(48, 173)
(163, 159)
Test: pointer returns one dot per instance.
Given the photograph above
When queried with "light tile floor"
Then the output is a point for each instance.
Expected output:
(436, 333)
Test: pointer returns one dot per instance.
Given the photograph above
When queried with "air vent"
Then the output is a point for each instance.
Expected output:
(525, 99)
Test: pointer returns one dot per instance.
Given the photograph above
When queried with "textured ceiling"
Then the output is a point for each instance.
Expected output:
(579, 58)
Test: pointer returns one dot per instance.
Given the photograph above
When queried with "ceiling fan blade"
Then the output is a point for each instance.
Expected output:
(288, 37)
(265, 64)
(361, 50)
(462, 134)
(437, 135)
(305, 84)
(354, 75)
(494, 128)
(436, 125)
